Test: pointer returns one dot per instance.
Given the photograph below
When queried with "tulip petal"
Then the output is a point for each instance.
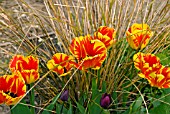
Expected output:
(89, 53)
(61, 64)
(27, 66)
(105, 35)
(138, 36)
(12, 88)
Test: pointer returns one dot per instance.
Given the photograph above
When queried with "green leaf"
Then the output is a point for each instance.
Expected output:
(137, 104)
(60, 109)
(51, 105)
(70, 111)
(163, 58)
(94, 106)
(94, 88)
(164, 106)
(21, 108)
(161, 109)
(81, 108)
(105, 112)
(135, 107)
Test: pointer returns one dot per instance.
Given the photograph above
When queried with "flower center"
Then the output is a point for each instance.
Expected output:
(65, 70)
(11, 94)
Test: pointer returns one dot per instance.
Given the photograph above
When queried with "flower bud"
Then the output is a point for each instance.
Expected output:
(64, 96)
(105, 101)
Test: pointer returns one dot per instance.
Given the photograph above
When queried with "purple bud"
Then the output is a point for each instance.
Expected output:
(64, 96)
(105, 101)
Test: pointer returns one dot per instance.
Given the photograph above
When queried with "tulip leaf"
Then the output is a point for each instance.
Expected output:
(51, 105)
(135, 107)
(163, 106)
(70, 111)
(60, 109)
(81, 108)
(163, 58)
(94, 88)
(105, 112)
(21, 108)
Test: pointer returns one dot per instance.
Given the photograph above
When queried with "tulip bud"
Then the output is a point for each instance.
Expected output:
(64, 96)
(105, 101)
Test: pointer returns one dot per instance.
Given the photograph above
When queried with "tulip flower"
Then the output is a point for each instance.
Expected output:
(27, 66)
(138, 36)
(61, 64)
(161, 79)
(88, 52)
(65, 95)
(146, 64)
(12, 88)
(106, 35)
(106, 100)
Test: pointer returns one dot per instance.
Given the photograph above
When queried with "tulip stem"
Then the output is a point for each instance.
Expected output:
(32, 99)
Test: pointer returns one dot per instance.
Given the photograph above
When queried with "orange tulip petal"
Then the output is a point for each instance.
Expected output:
(138, 35)
(30, 76)
(146, 63)
(12, 88)
(106, 35)
(89, 53)
(77, 46)
(27, 66)
(61, 64)
(161, 79)
(15, 63)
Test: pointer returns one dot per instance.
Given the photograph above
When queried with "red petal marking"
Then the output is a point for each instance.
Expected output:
(77, 49)
(19, 62)
(11, 84)
(104, 30)
(140, 39)
(62, 62)
(32, 63)
(14, 61)
(130, 30)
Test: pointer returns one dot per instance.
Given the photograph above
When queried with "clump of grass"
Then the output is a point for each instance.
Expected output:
(28, 30)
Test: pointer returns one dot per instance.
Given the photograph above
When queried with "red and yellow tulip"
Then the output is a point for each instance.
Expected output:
(12, 88)
(89, 53)
(27, 66)
(151, 69)
(146, 63)
(138, 35)
(61, 64)
(161, 79)
(106, 35)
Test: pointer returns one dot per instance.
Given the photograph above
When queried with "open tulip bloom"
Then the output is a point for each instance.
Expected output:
(150, 68)
(61, 64)
(88, 52)
(106, 35)
(146, 64)
(12, 88)
(27, 66)
(138, 36)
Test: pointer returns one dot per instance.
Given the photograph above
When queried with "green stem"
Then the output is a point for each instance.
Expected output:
(32, 99)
